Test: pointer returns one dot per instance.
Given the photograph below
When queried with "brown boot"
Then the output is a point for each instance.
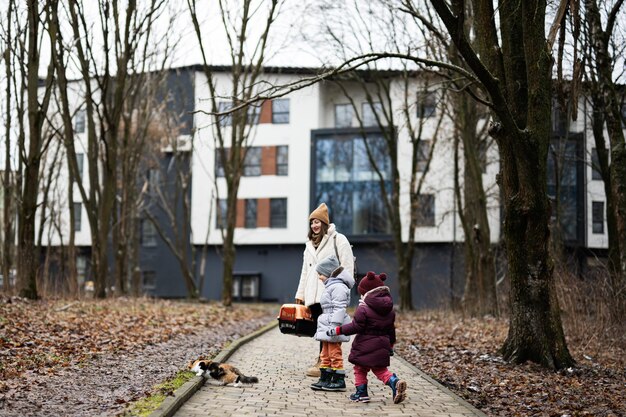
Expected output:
(314, 371)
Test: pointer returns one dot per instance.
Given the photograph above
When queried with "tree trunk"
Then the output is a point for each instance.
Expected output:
(229, 246)
(8, 237)
(609, 104)
(479, 296)
(535, 331)
(517, 77)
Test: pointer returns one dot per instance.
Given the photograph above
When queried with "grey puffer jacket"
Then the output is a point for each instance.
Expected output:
(334, 301)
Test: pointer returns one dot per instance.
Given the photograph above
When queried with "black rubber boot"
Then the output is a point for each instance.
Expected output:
(398, 389)
(325, 377)
(337, 382)
(361, 394)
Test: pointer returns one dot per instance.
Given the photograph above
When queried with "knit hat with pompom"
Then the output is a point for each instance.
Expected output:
(371, 281)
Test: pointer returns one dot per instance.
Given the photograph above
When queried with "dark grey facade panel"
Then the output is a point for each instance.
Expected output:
(280, 266)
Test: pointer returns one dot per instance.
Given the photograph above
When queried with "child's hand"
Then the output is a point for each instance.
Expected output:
(333, 332)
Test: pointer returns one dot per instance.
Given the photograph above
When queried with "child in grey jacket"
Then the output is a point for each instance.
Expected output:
(334, 301)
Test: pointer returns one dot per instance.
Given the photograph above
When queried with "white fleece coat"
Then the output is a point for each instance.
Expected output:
(310, 288)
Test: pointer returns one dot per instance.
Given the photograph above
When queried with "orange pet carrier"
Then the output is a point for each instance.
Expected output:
(296, 319)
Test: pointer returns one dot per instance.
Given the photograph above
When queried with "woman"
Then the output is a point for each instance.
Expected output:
(323, 241)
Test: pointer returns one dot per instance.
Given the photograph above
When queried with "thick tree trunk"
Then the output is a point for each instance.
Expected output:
(535, 331)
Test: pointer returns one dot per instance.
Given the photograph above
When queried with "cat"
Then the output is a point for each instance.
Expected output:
(221, 373)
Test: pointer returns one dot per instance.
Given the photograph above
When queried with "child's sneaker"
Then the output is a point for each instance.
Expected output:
(361, 394)
(398, 388)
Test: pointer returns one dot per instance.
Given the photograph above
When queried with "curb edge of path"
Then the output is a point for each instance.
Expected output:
(440, 387)
(172, 403)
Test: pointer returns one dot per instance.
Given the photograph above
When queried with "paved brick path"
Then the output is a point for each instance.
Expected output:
(279, 361)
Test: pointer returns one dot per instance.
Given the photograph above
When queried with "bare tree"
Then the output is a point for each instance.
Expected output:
(513, 64)
(8, 178)
(231, 142)
(31, 153)
(106, 85)
(602, 49)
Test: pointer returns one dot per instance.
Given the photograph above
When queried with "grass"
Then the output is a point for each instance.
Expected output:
(144, 406)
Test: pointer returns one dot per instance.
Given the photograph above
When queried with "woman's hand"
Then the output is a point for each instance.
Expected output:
(299, 301)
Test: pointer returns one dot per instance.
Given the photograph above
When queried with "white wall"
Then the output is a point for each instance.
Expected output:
(303, 117)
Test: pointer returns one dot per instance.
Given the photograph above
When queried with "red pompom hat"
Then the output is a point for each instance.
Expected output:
(371, 281)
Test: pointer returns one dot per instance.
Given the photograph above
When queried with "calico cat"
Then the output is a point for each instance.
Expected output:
(221, 373)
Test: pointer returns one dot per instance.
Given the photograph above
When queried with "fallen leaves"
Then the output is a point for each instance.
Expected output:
(42, 336)
(462, 354)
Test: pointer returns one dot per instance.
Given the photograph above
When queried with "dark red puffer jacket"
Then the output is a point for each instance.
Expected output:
(373, 324)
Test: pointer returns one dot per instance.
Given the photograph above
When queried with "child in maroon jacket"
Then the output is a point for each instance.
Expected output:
(374, 326)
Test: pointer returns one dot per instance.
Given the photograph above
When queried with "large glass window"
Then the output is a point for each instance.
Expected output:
(280, 110)
(346, 180)
(282, 160)
(344, 114)
(278, 213)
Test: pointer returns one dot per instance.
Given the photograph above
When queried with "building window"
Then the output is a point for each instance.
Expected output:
(252, 162)
(559, 119)
(595, 165)
(423, 153)
(226, 119)
(278, 213)
(251, 210)
(282, 160)
(564, 170)
(219, 162)
(254, 114)
(280, 111)
(148, 233)
(148, 280)
(344, 113)
(221, 209)
(154, 179)
(425, 210)
(345, 179)
(81, 269)
(79, 121)
(78, 211)
(80, 162)
(370, 111)
(597, 217)
(426, 104)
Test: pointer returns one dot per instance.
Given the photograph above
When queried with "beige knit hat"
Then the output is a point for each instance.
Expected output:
(321, 214)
